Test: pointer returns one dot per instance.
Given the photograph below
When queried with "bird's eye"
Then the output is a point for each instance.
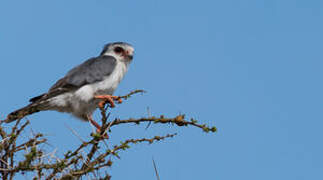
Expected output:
(118, 49)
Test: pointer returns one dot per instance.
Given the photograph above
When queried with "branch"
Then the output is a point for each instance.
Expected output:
(178, 120)
(76, 163)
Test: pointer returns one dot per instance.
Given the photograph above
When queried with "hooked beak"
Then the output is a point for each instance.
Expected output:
(128, 55)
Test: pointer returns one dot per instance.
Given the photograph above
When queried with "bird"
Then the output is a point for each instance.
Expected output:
(85, 87)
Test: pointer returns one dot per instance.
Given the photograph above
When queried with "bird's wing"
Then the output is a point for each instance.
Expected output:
(91, 71)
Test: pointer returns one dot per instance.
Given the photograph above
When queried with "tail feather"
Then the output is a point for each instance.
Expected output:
(37, 98)
(20, 113)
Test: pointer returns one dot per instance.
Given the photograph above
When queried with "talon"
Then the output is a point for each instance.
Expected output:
(105, 135)
(101, 104)
(98, 127)
(106, 98)
(119, 100)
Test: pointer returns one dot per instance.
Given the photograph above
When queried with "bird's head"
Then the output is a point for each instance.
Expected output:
(120, 50)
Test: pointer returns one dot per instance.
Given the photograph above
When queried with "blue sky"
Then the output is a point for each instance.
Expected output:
(252, 68)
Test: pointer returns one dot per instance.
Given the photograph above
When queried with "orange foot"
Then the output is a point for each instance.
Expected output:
(108, 98)
(98, 127)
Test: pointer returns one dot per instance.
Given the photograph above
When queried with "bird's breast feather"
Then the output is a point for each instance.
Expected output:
(106, 86)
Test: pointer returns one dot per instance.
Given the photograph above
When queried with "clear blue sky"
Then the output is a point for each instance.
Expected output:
(253, 68)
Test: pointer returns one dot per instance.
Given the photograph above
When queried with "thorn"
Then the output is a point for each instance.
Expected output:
(149, 115)
(155, 167)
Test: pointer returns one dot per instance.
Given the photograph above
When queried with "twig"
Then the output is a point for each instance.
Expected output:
(178, 120)
(75, 133)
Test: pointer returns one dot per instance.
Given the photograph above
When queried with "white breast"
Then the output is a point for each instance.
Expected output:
(86, 93)
(107, 86)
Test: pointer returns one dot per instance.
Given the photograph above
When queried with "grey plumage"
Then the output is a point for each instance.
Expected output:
(74, 93)
(91, 71)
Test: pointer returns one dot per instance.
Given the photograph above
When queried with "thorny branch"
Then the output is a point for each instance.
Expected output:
(26, 156)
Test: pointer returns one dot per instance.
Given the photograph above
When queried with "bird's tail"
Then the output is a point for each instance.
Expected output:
(25, 111)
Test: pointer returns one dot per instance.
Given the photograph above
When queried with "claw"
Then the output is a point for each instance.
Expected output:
(108, 98)
(98, 127)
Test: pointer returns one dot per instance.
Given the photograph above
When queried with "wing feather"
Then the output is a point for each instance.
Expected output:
(89, 72)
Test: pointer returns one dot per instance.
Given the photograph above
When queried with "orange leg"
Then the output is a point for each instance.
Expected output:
(98, 127)
(108, 98)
